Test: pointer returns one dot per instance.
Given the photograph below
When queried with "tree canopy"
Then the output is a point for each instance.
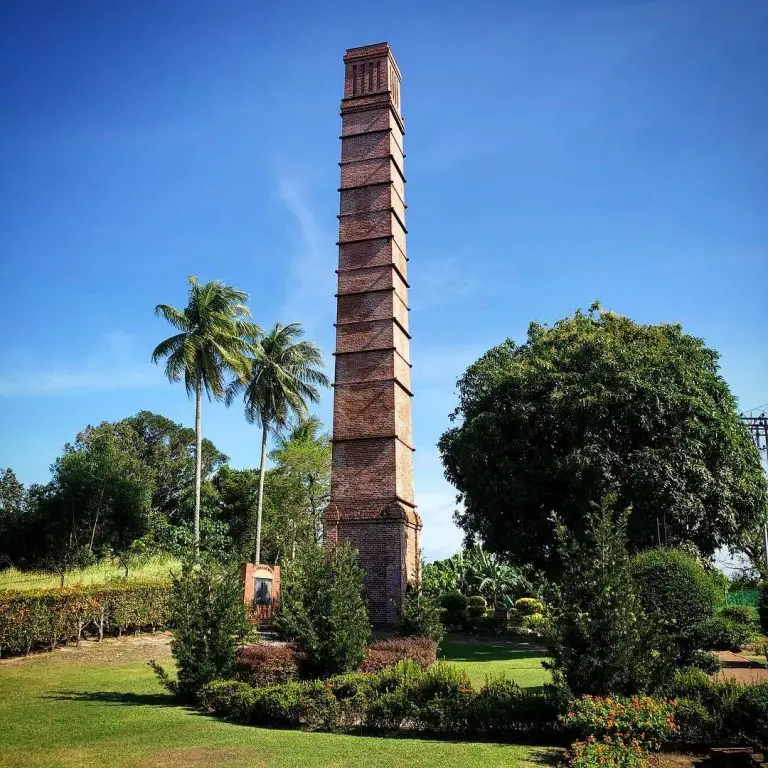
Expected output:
(599, 405)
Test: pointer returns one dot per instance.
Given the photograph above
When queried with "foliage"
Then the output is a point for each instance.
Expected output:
(605, 753)
(387, 653)
(723, 634)
(762, 605)
(283, 375)
(598, 404)
(477, 606)
(526, 606)
(712, 710)
(267, 664)
(706, 661)
(741, 614)
(45, 618)
(534, 622)
(420, 617)
(474, 571)
(677, 596)
(502, 709)
(753, 714)
(208, 617)
(323, 611)
(454, 609)
(214, 339)
(596, 639)
(643, 720)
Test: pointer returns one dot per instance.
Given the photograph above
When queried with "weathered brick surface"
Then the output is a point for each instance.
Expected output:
(372, 501)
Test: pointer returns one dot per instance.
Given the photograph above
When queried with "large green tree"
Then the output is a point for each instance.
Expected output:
(285, 375)
(214, 340)
(596, 405)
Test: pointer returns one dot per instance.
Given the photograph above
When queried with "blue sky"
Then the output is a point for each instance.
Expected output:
(558, 152)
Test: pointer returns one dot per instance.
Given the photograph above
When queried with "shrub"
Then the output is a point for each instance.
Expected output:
(596, 638)
(477, 606)
(208, 615)
(502, 708)
(267, 664)
(741, 614)
(677, 595)
(722, 634)
(604, 753)
(643, 720)
(420, 618)
(762, 605)
(394, 696)
(720, 699)
(534, 622)
(707, 662)
(278, 705)
(454, 606)
(753, 714)
(527, 606)
(323, 610)
(387, 653)
(694, 722)
(232, 699)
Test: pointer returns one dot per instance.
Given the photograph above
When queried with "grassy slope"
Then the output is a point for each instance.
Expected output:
(21, 581)
(101, 706)
(516, 661)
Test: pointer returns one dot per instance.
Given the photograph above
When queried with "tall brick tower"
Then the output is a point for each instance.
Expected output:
(372, 504)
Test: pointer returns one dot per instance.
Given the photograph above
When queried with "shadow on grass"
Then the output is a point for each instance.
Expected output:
(550, 756)
(119, 697)
(490, 650)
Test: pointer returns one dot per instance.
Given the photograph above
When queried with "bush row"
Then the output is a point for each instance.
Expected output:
(263, 665)
(46, 618)
(405, 697)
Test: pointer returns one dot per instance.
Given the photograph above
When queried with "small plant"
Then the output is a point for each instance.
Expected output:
(477, 607)
(643, 720)
(454, 606)
(527, 606)
(605, 753)
(534, 622)
(420, 618)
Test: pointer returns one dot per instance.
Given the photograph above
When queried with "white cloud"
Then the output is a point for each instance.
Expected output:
(117, 363)
(311, 281)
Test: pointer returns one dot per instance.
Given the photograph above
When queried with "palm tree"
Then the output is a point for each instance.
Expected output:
(215, 338)
(284, 375)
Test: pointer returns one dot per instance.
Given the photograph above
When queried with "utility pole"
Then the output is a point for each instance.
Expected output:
(758, 426)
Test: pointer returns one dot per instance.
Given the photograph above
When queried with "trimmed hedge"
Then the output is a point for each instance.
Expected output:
(45, 618)
(676, 594)
(387, 653)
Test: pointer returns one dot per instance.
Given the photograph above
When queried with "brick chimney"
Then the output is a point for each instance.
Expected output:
(372, 503)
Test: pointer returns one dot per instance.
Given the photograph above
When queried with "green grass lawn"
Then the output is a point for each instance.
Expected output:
(158, 568)
(520, 662)
(101, 706)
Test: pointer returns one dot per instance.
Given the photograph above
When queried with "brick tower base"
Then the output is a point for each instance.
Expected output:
(387, 542)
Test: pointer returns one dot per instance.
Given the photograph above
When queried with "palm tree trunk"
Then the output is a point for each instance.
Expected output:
(257, 556)
(198, 467)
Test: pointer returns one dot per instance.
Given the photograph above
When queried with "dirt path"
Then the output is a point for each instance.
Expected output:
(742, 669)
(149, 645)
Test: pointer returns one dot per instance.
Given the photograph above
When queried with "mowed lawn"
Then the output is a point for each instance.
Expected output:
(100, 705)
(521, 662)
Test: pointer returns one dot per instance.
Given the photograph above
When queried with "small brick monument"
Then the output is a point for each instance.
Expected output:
(261, 590)
(372, 503)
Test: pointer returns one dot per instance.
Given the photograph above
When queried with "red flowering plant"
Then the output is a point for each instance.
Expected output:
(642, 719)
(605, 753)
